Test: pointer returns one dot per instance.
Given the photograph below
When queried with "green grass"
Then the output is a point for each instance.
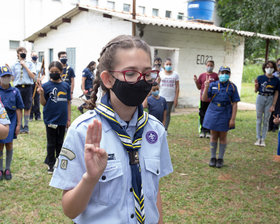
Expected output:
(246, 190)
(251, 72)
(248, 94)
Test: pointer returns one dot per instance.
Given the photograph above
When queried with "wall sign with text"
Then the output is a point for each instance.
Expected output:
(202, 59)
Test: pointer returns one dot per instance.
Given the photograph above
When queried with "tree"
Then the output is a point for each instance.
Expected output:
(260, 16)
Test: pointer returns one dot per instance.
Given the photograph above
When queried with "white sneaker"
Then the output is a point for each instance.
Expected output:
(201, 135)
(258, 142)
(262, 143)
(208, 135)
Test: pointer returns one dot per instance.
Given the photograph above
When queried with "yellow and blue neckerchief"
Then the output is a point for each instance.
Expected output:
(132, 146)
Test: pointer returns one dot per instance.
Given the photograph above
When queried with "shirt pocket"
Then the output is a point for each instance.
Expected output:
(109, 188)
(151, 177)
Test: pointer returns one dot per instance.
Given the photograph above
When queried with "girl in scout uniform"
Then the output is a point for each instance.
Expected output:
(114, 156)
(55, 96)
(13, 103)
(221, 113)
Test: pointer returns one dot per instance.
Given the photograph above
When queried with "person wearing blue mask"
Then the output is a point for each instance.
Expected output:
(169, 88)
(221, 113)
(267, 86)
(156, 104)
(68, 74)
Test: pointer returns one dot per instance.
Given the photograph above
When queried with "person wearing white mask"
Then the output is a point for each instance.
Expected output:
(267, 87)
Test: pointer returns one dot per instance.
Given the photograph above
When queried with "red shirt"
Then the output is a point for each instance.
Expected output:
(202, 78)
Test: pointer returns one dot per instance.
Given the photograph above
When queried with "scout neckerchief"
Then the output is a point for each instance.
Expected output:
(131, 146)
(64, 76)
(219, 87)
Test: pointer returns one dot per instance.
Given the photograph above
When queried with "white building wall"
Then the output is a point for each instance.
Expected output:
(88, 32)
(195, 47)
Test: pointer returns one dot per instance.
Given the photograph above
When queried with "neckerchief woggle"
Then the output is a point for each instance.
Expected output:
(131, 146)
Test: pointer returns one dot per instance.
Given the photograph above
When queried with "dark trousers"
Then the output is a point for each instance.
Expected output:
(168, 114)
(202, 112)
(35, 109)
(271, 125)
(55, 138)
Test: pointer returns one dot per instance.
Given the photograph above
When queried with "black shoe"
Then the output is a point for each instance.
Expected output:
(50, 170)
(1, 174)
(220, 163)
(81, 110)
(212, 162)
(7, 174)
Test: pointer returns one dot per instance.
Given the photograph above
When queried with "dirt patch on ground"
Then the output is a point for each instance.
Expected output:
(276, 158)
(225, 177)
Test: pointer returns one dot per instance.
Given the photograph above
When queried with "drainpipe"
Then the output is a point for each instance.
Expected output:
(134, 17)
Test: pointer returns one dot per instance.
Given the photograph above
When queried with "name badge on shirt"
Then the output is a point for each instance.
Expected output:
(111, 156)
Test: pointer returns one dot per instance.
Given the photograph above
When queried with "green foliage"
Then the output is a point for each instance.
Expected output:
(260, 16)
(251, 72)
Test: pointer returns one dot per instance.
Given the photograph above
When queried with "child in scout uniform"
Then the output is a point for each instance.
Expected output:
(13, 103)
(4, 122)
(106, 167)
(199, 82)
(56, 98)
(267, 86)
(221, 113)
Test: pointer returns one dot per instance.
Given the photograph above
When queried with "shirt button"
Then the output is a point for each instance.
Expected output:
(131, 189)
(132, 216)
(157, 172)
(103, 177)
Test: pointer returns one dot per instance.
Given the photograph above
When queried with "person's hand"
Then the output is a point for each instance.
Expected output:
(17, 130)
(22, 62)
(207, 82)
(276, 119)
(195, 78)
(231, 123)
(175, 103)
(85, 92)
(68, 123)
(40, 89)
(95, 157)
(272, 108)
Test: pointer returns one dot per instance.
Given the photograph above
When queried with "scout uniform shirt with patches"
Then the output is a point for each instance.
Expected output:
(21, 75)
(112, 200)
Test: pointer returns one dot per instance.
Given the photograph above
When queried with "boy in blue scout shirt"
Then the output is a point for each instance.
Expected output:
(24, 74)
(99, 164)
(12, 101)
(267, 87)
(56, 99)
(221, 113)
(4, 122)
(68, 74)
(87, 81)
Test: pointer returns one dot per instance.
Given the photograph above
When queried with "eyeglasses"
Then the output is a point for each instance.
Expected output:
(132, 76)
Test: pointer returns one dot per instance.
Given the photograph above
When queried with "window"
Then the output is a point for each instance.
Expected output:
(110, 5)
(168, 14)
(126, 7)
(71, 55)
(180, 16)
(40, 56)
(94, 2)
(155, 12)
(14, 44)
(50, 55)
(141, 10)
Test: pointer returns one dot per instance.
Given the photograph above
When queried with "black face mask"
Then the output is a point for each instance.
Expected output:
(22, 55)
(55, 76)
(131, 94)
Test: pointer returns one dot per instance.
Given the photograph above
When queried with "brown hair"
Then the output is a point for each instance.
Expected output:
(21, 49)
(60, 53)
(107, 60)
(56, 64)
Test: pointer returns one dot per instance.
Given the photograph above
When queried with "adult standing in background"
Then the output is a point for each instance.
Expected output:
(68, 74)
(169, 88)
(272, 126)
(267, 87)
(87, 82)
(199, 82)
(24, 75)
(35, 109)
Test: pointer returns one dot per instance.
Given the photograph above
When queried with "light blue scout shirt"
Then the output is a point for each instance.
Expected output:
(37, 66)
(20, 74)
(112, 200)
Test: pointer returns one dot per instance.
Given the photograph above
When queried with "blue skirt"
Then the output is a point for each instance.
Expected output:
(12, 129)
(217, 118)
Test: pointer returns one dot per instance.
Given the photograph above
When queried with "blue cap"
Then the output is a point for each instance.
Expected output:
(5, 70)
(224, 68)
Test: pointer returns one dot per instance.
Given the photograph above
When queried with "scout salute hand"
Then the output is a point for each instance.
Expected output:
(207, 81)
(95, 157)
(195, 78)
